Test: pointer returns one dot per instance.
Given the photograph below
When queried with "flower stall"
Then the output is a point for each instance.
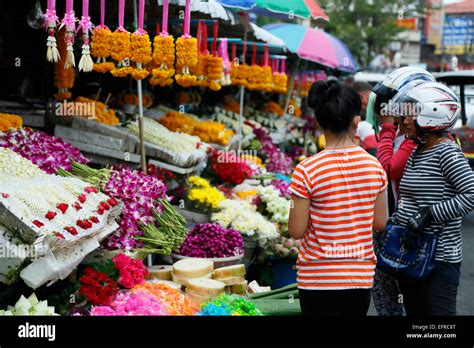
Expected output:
(162, 194)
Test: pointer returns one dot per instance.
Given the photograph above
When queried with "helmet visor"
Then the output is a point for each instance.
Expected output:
(403, 104)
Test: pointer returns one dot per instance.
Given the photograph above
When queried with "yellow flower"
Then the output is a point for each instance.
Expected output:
(122, 72)
(103, 67)
(101, 42)
(9, 121)
(198, 181)
(140, 74)
(120, 47)
(140, 46)
(186, 60)
(178, 122)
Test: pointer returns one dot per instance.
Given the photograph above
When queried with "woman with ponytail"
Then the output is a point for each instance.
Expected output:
(339, 197)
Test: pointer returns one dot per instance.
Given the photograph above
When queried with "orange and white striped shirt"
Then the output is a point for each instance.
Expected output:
(337, 250)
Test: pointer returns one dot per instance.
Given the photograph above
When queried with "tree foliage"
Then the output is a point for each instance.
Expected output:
(367, 26)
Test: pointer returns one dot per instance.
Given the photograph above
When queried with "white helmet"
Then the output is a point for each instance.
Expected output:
(389, 87)
(434, 106)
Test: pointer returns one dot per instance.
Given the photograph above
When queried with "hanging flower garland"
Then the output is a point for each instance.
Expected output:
(261, 76)
(223, 52)
(121, 48)
(200, 68)
(214, 65)
(101, 42)
(85, 24)
(279, 78)
(69, 21)
(63, 77)
(186, 53)
(51, 20)
(140, 46)
(163, 53)
(240, 73)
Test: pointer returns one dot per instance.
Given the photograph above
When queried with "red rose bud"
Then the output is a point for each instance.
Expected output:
(38, 224)
(72, 230)
(94, 219)
(50, 215)
(100, 211)
(112, 201)
(150, 169)
(63, 207)
(59, 235)
(77, 206)
(5, 195)
(105, 205)
(90, 189)
(88, 224)
(82, 198)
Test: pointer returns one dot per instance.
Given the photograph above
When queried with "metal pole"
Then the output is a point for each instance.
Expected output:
(292, 85)
(241, 117)
(140, 119)
(140, 105)
(241, 114)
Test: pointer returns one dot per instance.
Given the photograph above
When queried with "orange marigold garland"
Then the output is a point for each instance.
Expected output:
(186, 59)
(214, 64)
(121, 48)
(186, 53)
(101, 43)
(163, 58)
(140, 46)
(240, 73)
(63, 78)
(214, 72)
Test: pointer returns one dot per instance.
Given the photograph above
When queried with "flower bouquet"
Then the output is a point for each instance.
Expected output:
(229, 167)
(131, 303)
(202, 195)
(100, 283)
(212, 241)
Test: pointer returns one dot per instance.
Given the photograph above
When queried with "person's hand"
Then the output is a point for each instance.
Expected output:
(418, 221)
(387, 119)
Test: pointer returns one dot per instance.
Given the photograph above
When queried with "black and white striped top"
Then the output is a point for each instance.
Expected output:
(441, 178)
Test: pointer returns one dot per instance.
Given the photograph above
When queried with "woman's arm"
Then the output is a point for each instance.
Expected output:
(393, 164)
(380, 211)
(299, 217)
(457, 171)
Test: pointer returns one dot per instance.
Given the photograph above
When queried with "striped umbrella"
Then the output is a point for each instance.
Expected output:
(314, 45)
(299, 8)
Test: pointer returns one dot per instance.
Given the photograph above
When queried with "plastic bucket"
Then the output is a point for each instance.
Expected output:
(283, 272)
(218, 262)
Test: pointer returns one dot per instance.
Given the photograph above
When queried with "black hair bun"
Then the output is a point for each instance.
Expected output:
(335, 105)
(315, 95)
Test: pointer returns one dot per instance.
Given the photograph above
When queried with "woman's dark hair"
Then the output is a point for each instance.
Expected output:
(335, 105)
